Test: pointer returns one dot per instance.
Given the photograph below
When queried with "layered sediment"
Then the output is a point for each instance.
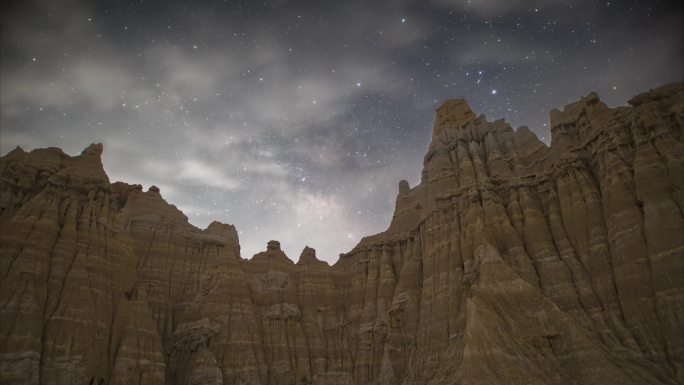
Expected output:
(512, 262)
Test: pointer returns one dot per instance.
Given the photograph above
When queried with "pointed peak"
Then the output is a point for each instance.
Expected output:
(455, 109)
(404, 187)
(94, 149)
(452, 115)
(308, 253)
(17, 153)
(225, 233)
(84, 172)
(273, 246)
(523, 133)
(454, 104)
(572, 111)
(216, 225)
(308, 257)
(592, 98)
(523, 130)
(273, 253)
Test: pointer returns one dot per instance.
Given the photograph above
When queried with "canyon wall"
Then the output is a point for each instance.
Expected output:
(510, 263)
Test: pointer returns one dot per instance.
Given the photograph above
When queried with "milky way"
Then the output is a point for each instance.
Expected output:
(296, 120)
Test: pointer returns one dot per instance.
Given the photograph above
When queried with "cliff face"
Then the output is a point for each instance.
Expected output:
(511, 263)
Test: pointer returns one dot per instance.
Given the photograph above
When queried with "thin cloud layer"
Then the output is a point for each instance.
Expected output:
(296, 120)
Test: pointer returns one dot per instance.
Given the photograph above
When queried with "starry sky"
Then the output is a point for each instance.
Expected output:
(295, 120)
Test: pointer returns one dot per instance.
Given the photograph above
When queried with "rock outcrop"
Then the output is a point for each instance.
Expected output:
(510, 263)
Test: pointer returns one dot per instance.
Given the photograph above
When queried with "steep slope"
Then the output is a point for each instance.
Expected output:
(510, 263)
(66, 271)
(527, 264)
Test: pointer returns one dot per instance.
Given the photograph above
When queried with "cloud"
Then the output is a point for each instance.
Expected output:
(500, 7)
(266, 168)
(194, 171)
(216, 106)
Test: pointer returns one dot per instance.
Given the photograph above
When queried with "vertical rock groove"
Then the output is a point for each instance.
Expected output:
(512, 262)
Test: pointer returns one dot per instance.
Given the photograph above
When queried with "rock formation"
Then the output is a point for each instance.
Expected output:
(510, 263)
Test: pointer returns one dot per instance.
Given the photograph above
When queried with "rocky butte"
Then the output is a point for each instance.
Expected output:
(510, 263)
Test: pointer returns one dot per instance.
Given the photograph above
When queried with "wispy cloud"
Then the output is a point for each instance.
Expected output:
(297, 124)
(193, 171)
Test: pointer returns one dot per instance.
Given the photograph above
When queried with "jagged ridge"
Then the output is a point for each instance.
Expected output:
(512, 262)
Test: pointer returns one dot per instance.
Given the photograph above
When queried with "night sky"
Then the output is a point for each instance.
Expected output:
(296, 120)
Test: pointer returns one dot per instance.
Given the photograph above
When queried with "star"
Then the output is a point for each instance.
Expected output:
(190, 88)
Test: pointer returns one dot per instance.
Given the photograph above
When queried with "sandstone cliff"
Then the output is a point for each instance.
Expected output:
(510, 263)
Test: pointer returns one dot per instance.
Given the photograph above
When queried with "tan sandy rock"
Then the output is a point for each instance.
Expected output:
(512, 262)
